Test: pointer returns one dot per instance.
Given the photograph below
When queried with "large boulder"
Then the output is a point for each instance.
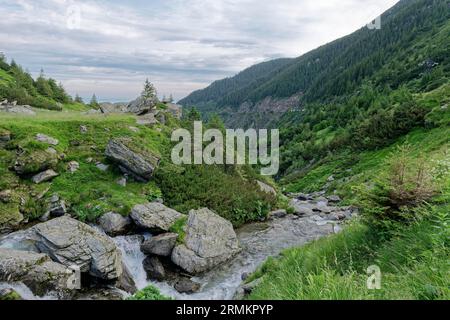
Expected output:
(264, 187)
(29, 162)
(46, 139)
(44, 176)
(113, 107)
(71, 242)
(140, 164)
(114, 224)
(161, 245)
(36, 270)
(154, 269)
(154, 216)
(141, 105)
(209, 241)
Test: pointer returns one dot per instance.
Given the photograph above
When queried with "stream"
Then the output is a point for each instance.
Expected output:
(258, 241)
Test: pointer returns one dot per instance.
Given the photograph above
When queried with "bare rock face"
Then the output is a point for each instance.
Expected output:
(154, 269)
(35, 270)
(71, 242)
(114, 224)
(161, 245)
(154, 216)
(210, 240)
(140, 164)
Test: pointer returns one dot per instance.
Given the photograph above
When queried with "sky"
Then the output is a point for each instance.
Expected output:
(110, 47)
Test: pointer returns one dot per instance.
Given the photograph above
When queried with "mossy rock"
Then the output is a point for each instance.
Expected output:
(35, 161)
(9, 295)
(10, 217)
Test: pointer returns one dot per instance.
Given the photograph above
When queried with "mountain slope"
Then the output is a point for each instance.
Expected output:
(389, 57)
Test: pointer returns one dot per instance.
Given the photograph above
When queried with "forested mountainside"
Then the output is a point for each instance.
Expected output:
(410, 48)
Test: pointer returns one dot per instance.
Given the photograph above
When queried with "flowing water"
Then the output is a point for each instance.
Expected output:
(258, 241)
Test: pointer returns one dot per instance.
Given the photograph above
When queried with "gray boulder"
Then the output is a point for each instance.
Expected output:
(161, 245)
(277, 214)
(71, 242)
(148, 120)
(210, 240)
(35, 161)
(139, 164)
(73, 166)
(141, 105)
(114, 224)
(44, 176)
(46, 139)
(113, 107)
(154, 269)
(154, 216)
(185, 285)
(302, 208)
(36, 270)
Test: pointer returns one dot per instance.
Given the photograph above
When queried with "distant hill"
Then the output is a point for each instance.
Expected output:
(413, 34)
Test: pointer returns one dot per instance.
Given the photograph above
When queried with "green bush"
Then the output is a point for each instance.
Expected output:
(149, 293)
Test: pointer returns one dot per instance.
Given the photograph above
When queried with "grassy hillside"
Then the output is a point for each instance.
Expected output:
(410, 243)
(91, 192)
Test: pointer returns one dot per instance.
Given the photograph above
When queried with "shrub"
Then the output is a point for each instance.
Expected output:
(149, 293)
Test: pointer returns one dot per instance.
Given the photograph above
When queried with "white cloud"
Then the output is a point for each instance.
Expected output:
(181, 45)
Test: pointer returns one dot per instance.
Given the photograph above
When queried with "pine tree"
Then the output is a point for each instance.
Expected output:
(149, 92)
(94, 103)
(78, 99)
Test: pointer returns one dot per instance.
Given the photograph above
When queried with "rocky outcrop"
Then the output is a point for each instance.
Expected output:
(113, 107)
(114, 224)
(71, 242)
(36, 270)
(35, 161)
(140, 164)
(154, 216)
(12, 107)
(148, 120)
(141, 105)
(175, 109)
(209, 241)
(161, 245)
(44, 176)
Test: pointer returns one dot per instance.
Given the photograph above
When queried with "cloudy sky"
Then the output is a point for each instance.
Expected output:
(110, 47)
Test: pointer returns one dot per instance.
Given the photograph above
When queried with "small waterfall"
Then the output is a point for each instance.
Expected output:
(24, 291)
(132, 257)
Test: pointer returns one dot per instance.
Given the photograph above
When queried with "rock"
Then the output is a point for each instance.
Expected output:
(338, 216)
(24, 110)
(36, 270)
(122, 182)
(71, 242)
(175, 109)
(126, 282)
(35, 161)
(154, 269)
(57, 208)
(5, 136)
(249, 287)
(154, 216)
(321, 207)
(5, 196)
(141, 105)
(133, 129)
(51, 151)
(303, 197)
(334, 199)
(148, 120)
(278, 214)
(140, 165)
(9, 294)
(266, 188)
(73, 166)
(161, 245)
(245, 276)
(209, 241)
(102, 167)
(83, 129)
(330, 179)
(44, 176)
(114, 224)
(185, 285)
(113, 107)
(302, 207)
(46, 139)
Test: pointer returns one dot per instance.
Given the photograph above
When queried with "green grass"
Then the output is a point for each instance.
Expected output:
(149, 293)
(413, 262)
